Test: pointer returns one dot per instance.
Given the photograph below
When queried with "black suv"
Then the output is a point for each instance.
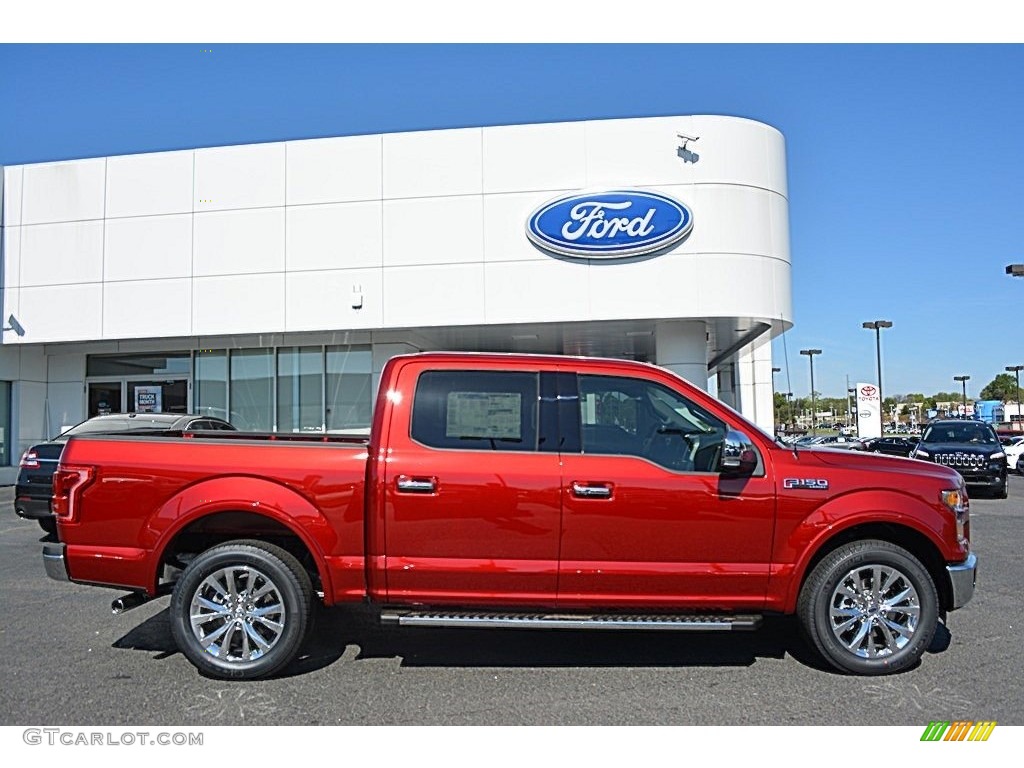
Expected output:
(39, 463)
(969, 447)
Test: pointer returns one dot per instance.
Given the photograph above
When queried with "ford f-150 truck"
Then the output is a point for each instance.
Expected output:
(514, 491)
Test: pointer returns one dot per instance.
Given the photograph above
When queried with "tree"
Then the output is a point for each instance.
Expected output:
(1003, 387)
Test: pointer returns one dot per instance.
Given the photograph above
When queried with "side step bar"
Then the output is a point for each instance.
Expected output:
(493, 620)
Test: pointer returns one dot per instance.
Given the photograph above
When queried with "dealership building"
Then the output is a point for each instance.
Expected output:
(269, 283)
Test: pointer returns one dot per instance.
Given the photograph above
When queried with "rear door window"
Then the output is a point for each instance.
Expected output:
(476, 410)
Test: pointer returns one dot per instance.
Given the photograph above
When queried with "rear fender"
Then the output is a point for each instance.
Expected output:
(253, 495)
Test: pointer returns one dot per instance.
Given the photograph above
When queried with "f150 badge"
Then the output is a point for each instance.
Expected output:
(807, 484)
(609, 225)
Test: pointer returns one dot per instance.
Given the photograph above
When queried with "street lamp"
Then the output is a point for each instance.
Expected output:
(1015, 370)
(963, 380)
(1017, 270)
(810, 356)
(877, 326)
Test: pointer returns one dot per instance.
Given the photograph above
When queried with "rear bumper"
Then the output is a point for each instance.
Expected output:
(54, 561)
(962, 578)
(32, 508)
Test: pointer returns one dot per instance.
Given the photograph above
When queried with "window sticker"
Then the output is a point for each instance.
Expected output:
(496, 415)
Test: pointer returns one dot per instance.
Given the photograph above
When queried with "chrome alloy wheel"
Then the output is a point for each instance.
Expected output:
(237, 614)
(874, 611)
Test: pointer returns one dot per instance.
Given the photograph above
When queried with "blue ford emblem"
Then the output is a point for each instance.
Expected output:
(609, 225)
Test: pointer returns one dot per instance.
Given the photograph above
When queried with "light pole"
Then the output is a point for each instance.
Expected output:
(810, 356)
(877, 326)
(963, 380)
(1016, 270)
(774, 410)
(1015, 370)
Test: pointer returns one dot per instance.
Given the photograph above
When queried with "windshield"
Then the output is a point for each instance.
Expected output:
(127, 424)
(976, 434)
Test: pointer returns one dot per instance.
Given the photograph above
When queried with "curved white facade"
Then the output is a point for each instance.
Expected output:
(409, 239)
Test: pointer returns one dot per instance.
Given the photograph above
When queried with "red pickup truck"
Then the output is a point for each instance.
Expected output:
(517, 491)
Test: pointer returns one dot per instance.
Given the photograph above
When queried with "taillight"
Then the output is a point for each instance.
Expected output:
(68, 483)
(29, 460)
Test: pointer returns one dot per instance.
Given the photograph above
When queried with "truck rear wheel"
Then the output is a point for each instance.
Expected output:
(241, 610)
(870, 608)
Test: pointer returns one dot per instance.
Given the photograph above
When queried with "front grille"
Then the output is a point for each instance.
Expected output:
(961, 460)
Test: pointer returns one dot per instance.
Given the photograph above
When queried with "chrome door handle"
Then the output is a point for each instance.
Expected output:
(407, 484)
(602, 491)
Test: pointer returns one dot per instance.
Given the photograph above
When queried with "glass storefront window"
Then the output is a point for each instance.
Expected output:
(5, 424)
(300, 403)
(349, 388)
(211, 389)
(155, 364)
(287, 389)
(251, 389)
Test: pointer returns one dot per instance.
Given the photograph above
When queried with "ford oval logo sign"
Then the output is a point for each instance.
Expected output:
(609, 225)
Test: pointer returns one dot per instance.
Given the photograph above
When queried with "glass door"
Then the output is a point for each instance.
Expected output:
(104, 398)
(166, 396)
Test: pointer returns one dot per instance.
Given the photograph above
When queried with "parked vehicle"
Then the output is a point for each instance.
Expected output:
(971, 448)
(518, 491)
(1013, 450)
(891, 446)
(35, 476)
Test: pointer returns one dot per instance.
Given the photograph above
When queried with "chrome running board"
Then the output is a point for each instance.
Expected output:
(494, 620)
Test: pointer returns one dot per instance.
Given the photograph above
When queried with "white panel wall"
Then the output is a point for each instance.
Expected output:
(71, 191)
(148, 248)
(12, 192)
(323, 300)
(82, 320)
(147, 185)
(519, 158)
(238, 304)
(62, 254)
(448, 294)
(518, 292)
(338, 236)
(250, 176)
(433, 163)
(12, 268)
(334, 170)
(239, 242)
(442, 230)
(431, 224)
(148, 308)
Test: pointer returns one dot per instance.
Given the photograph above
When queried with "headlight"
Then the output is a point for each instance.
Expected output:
(998, 455)
(957, 502)
(920, 453)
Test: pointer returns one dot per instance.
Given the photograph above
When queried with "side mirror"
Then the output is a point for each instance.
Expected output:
(738, 455)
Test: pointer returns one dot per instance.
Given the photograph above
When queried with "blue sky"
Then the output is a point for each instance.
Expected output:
(906, 163)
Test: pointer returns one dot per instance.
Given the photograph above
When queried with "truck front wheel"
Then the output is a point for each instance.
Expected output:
(870, 608)
(241, 610)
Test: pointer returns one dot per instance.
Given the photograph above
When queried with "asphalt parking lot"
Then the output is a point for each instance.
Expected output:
(68, 661)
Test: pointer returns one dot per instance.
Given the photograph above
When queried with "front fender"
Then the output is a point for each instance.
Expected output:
(240, 493)
(799, 540)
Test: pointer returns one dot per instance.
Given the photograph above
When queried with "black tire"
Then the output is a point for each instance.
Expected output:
(269, 628)
(48, 524)
(869, 646)
(1004, 490)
